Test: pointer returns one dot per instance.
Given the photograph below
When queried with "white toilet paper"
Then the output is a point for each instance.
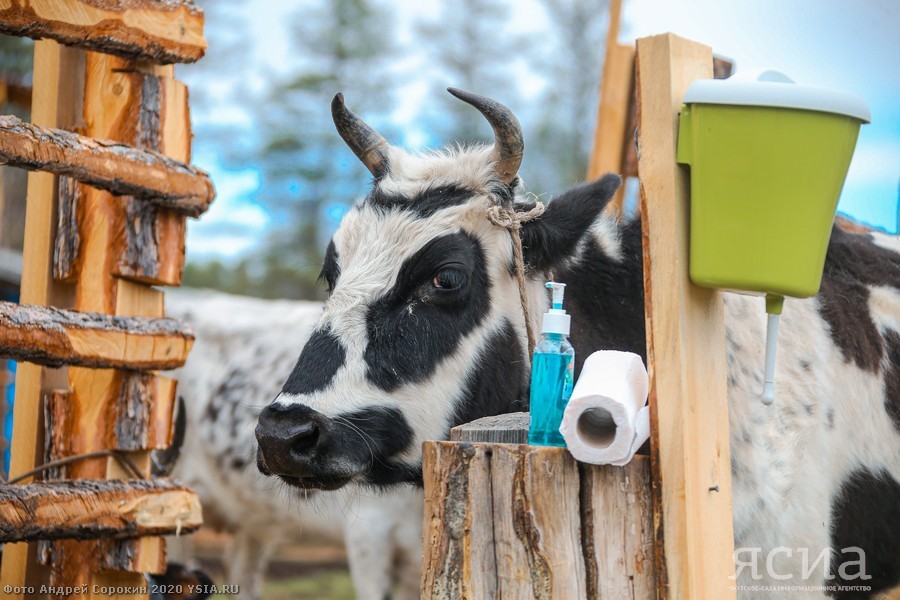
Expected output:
(606, 419)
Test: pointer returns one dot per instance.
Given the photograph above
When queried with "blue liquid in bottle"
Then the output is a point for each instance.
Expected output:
(552, 379)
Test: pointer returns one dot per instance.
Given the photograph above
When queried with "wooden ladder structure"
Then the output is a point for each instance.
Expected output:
(110, 188)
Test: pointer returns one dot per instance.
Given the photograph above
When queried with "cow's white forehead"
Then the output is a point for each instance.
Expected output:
(373, 241)
(466, 166)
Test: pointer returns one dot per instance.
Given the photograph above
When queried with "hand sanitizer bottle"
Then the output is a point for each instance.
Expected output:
(552, 374)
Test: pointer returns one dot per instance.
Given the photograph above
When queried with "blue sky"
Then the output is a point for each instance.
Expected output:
(819, 42)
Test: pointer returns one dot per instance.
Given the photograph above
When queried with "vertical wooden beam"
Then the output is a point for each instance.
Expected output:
(58, 84)
(142, 105)
(685, 343)
(616, 87)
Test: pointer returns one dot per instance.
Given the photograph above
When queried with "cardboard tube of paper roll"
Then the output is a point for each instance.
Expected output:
(606, 419)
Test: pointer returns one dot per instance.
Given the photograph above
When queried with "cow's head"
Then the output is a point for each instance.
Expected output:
(423, 328)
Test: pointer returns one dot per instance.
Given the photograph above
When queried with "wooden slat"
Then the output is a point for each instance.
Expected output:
(161, 32)
(685, 344)
(511, 428)
(611, 136)
(112, 166)
(57, 102)
(92, 509)
(53, 337)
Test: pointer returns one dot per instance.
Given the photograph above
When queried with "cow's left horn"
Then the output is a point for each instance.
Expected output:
(508, 143)
(366, 143)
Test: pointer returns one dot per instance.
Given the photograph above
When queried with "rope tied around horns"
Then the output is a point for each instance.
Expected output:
(511, 220)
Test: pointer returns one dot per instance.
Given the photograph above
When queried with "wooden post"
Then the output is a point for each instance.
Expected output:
(57, 102)
(611, 136)
(516, 521)
(685, 344)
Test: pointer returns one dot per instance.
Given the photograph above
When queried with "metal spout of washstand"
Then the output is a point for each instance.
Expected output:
(774, 305)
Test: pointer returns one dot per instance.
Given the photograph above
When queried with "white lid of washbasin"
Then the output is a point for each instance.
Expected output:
(765, 87)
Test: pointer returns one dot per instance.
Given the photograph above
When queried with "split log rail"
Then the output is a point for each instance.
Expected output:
(109, 189)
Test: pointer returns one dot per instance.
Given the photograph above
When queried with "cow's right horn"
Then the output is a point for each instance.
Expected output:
(508, 143)
(366, 143)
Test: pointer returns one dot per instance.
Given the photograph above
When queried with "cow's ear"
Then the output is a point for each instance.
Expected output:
(553, 237)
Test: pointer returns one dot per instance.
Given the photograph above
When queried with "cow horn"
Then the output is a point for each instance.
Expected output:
(508, 143)
(366, 143)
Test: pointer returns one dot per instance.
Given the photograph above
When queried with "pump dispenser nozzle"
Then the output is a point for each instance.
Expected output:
(559, 290)
(556, 320)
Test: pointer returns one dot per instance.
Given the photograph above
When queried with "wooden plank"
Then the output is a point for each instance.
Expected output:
(92, 509)
(111, 166)
(154, 237)
(58, 86)
(511, 428)
(616, 87)
(685, 344)
(144, 107)
(161, 32)
(621, 527)
(519, 521)
(53, 337)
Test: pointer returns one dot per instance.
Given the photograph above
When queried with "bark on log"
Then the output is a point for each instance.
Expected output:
(65, 250)
(154, 237)
(115, 167)
(139, 419)
(161, 32)
(92, 509)
(53, 337)
(519, 521)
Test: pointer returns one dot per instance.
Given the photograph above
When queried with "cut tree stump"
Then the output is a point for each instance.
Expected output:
(91, 509)
(518, 521)
(160, 32)
(53, 337)
(111, 166)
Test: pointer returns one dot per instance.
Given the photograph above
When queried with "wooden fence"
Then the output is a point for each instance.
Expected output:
(110, 187)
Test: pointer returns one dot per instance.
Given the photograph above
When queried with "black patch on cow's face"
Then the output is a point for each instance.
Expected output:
(853, 263)
(892, 378)
(866, 514)
(613, 300)
(330, 268)
(425, 203)
(498, 384)
(553, 237)
(441, 294)
(320, 359)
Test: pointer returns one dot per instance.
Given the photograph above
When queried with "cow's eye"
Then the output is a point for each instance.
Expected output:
(448, 279)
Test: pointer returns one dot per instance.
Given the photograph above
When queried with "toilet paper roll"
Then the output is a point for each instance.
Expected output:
(606, 419)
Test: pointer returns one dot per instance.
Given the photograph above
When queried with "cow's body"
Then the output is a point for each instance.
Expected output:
(424, 330)
(243, 347)
(819, 468)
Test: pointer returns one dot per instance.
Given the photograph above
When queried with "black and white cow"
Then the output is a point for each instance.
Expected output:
(243, 349)
(424, 330)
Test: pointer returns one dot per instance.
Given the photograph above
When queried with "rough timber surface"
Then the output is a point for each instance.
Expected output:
(91, 509)
(510, 428)
(111, 166)
(160, 31)
(524, 522)
(52, 337)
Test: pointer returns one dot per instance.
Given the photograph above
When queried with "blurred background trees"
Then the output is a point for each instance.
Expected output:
(261, 114)
(394, 69)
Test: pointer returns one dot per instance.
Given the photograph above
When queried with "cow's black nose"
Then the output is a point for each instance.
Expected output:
(289, 438)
